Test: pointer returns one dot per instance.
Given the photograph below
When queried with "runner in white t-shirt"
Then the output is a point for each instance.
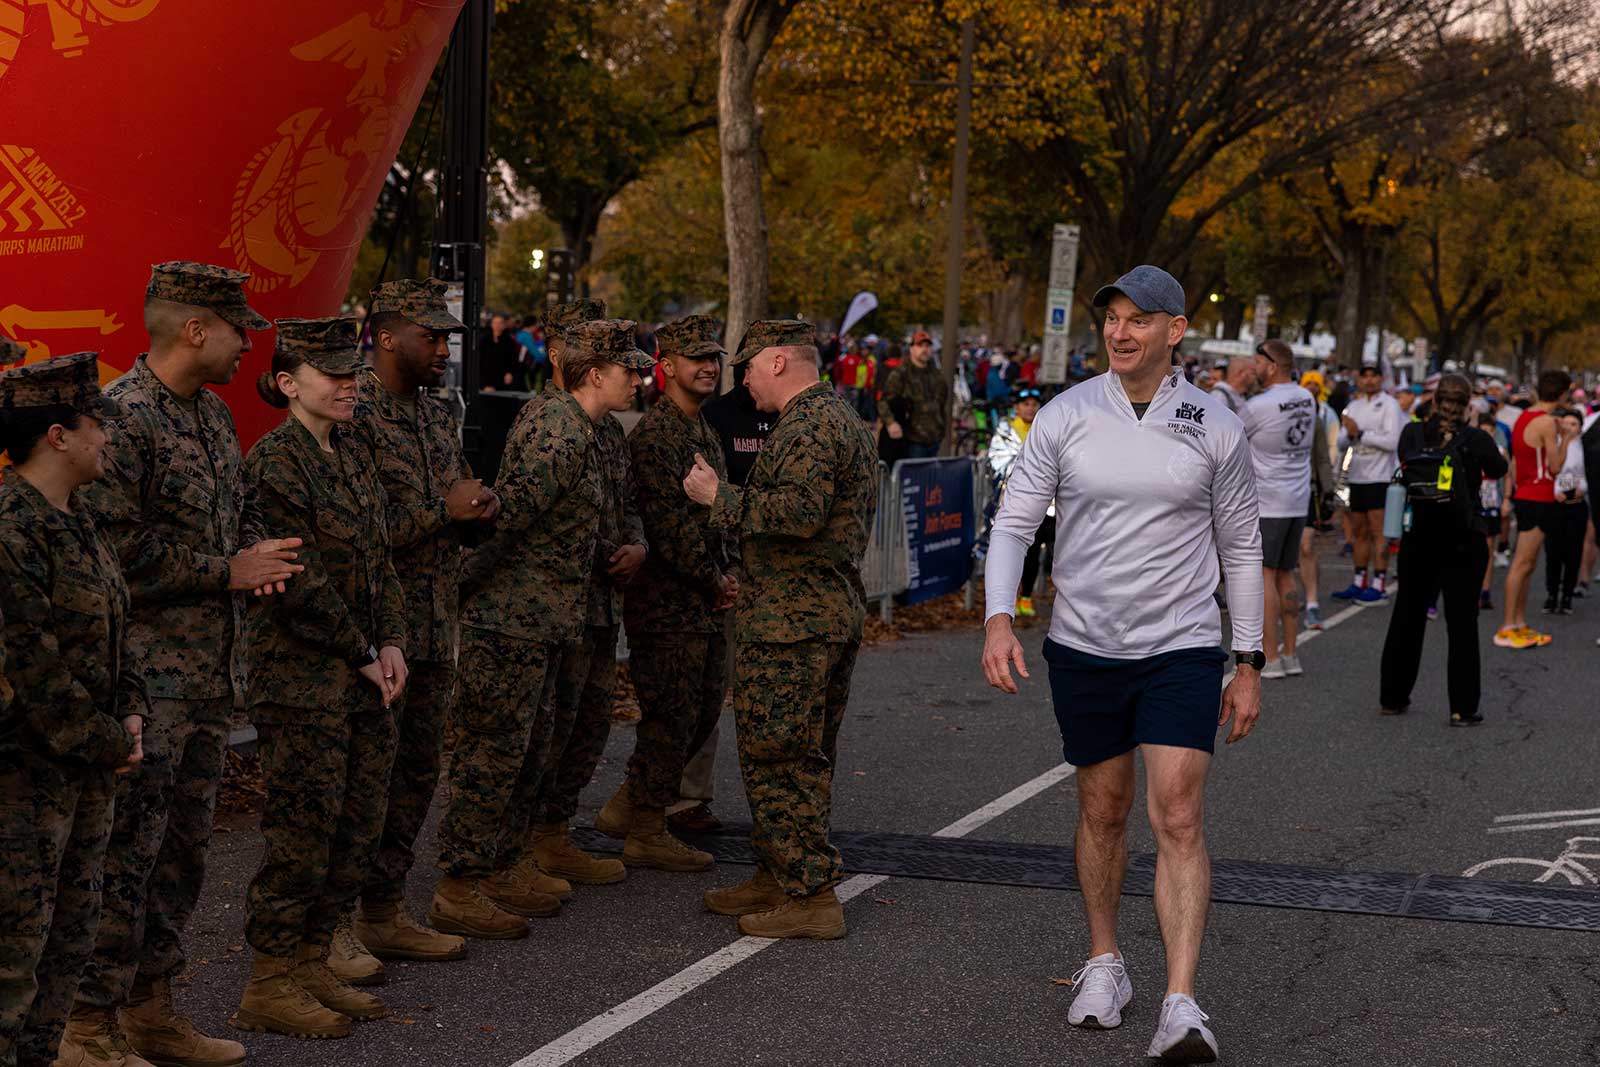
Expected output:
(1279, 422)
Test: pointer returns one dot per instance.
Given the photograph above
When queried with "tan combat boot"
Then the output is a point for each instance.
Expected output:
(92, 1039)
(541, 881)
(617, 815)
(558, 855)
(512, 890)
(390, 934)
(649, 845)
(760, 893)
(460, 907)
(312, 973)
(819, 916)
(349, 959)
(161, 1035)
(274, 1003)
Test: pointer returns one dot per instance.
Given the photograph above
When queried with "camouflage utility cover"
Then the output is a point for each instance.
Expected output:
(421, 302)
(774, 333)
(327, 344)
(204, 285)
(692, 336)
(71, 381)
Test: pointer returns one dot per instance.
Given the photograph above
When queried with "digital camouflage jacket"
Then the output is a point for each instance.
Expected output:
(300, 643)
(529, 579)
(803, 523)
(417, 463)
(73, 672)
(675, 589)
(169, 504)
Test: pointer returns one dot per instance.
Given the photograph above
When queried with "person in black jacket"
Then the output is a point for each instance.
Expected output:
(1444, 551)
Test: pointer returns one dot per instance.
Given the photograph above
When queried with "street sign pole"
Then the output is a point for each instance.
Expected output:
(1058, 304)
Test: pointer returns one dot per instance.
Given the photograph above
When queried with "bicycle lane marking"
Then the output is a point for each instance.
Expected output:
(608, 1024)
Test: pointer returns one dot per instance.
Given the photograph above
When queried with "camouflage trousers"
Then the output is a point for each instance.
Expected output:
(420, 720)
(327, 778)
(585, 682)
(788, 703)
(54, 825)
(502, 732)
(156, 862)
(680, 679)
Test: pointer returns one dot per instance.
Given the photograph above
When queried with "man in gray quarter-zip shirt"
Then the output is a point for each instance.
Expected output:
(1153, 483)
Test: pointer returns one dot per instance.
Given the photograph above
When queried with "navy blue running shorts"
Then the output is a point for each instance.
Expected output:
(1106, 707)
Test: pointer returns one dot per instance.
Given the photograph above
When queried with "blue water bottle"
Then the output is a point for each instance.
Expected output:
(1394, 511)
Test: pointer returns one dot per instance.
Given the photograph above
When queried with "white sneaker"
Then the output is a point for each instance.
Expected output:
(1291, 666)
(1182, 1036)
(1103, 991)
(1273, 669)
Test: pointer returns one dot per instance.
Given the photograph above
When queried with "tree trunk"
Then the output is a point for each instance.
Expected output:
(1003, 323)
(1350, 324)
(739, 132)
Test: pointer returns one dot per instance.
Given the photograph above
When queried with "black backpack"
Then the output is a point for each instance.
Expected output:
(1430, 475)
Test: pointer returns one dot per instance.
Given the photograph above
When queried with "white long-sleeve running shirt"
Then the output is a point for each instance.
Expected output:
(1144, 509)
(1380, 419)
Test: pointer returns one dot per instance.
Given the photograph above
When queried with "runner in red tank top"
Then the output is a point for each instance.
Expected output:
(1537, 452)
(1534, 482)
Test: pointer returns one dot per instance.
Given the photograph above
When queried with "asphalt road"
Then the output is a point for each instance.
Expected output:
(965, 974)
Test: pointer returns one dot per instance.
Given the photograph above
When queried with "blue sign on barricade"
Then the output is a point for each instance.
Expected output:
(940, 525)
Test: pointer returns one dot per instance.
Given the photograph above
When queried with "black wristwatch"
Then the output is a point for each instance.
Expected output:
(366, 659)
(1256, 659)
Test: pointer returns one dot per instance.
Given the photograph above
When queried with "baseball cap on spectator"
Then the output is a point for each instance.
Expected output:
(921, 337)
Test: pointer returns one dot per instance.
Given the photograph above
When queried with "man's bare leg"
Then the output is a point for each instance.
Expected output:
(1176, 781)
(1361, 539)
(1310, 575)
(1519, 575)
(1377, 547)
(1288, 607)
(1269, 618)
(1105, 797)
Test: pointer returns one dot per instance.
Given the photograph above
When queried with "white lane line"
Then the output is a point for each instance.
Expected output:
(576, 1042)
(1542, 826)
(581, 1039)
(1547, 815)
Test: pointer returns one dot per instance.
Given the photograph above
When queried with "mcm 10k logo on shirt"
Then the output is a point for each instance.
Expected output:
(1188, 420)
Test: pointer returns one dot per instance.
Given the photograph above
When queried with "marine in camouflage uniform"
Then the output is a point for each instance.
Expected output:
(326, 739)
(587, 676)
(678, 654)
(923, 390)
(413, 441)
(169, 503)
(522, 607)
(70, 682)
(11, 351)
(803, 521)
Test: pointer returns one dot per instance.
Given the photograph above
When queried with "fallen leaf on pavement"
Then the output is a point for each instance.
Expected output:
(1061, 981)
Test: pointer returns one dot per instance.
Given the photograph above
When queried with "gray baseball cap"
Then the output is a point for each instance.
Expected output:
(1151, 288)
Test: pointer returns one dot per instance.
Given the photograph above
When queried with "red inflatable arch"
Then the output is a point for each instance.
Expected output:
(251, 134)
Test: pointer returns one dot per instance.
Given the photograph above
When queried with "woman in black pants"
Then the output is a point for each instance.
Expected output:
(1444, 551)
